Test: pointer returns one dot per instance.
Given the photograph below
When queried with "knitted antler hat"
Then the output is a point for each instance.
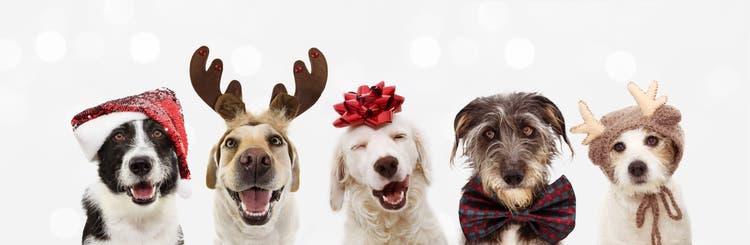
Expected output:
(92, 126)
(651, 113)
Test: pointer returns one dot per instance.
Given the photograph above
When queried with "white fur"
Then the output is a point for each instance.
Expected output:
(367, 221)
(130, 223)
(618, 219)
(126, 222)
(618, 225)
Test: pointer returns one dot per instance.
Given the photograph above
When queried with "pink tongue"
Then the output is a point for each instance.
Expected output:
(143, 192)
(255, 200)
(393, 197)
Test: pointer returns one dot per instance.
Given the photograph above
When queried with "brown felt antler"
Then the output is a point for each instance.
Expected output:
(308, 86)
(206, 84)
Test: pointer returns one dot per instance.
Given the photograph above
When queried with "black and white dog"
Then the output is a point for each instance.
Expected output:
(133, 202)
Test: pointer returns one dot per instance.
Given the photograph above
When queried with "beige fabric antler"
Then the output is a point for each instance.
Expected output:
(591, 126)
(647, 101)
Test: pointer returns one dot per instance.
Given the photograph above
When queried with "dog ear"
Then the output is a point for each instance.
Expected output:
(461, 125)
(423, 163)
(339, 177)
(211, 168)
(552, 116)
(295, 167)
(285, 103)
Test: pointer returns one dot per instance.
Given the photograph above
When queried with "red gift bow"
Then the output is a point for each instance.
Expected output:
(369, 105)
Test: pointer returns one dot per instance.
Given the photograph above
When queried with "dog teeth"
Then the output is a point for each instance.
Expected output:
(255, 214)
(400, 198)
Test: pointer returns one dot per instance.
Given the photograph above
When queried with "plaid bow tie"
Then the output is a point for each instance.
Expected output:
(551, 216)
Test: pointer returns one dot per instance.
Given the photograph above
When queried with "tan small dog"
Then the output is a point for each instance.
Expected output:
(254, 167)
(639, 148)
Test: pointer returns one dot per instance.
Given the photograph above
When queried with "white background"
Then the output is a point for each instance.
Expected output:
(58, 58)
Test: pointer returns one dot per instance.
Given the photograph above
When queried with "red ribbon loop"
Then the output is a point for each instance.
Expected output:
(371, 106)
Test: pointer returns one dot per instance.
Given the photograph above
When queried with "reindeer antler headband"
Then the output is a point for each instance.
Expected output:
(647, 102)
(309, 86)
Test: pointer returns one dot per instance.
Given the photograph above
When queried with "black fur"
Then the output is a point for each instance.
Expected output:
(94, 224)
(110, 161)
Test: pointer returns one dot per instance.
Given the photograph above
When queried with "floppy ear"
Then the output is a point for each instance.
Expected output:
(211, 169)
(552, 116)
(423, 162)
(295, 167)
(461, 125)
(338, 181)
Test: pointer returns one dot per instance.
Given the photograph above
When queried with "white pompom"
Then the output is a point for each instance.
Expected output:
(183, 189)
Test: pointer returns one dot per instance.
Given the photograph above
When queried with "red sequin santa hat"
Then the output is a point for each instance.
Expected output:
(92, 126)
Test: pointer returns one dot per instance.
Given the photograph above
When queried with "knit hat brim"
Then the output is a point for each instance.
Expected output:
(92, 134)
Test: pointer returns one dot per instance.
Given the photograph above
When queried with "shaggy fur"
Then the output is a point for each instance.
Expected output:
(355, 176)
(510, 140)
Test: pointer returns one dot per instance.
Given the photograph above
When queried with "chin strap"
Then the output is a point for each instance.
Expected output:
(652, 202)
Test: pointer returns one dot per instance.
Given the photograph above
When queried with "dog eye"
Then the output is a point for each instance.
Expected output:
(652, 141)
(527, 131)
(230, 143)
(119, 137)
(275, 140)
(157, 134)
(399, 136)
(358, 146)
(619, 147)
(489, 134)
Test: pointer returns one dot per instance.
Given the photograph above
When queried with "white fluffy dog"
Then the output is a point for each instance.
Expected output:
(385, 174)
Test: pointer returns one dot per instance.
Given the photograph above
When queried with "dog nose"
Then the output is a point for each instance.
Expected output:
(256, 161)
(140, 165)
(513, 177)
(386, 166)
(637, 168)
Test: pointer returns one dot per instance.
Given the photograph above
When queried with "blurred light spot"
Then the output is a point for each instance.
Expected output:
(621, 66)
(425, 52)
(464, 51)
(246, 60)
(64, 223)
(118, 11)
(11, 54)
(492, 15)
(89, 46)
(50, 46)
(144, 47)
(519, 53)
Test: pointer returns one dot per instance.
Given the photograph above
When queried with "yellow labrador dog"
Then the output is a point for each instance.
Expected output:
(254, 167)
(384, 172)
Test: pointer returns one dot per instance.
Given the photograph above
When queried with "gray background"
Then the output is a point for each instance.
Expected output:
(58, 58)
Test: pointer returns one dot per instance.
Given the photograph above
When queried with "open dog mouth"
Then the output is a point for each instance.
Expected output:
(393, 195)
(255, 204)
(143, 193)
